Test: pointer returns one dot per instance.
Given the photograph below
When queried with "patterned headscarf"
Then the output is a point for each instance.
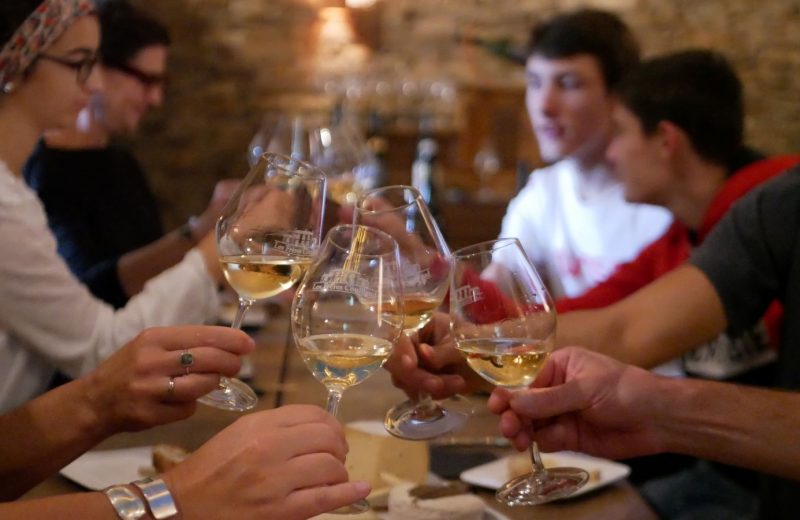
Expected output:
(44, 26)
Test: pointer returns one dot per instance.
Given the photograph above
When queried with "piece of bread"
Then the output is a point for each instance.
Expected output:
(167, 456)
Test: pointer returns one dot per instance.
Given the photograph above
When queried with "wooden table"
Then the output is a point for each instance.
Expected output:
(281, 374)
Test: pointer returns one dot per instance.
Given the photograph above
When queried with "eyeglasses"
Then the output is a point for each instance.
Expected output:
(146, 79)
(83, 66)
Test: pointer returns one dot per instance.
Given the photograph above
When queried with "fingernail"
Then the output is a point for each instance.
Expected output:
(362, 486)
(407, 361)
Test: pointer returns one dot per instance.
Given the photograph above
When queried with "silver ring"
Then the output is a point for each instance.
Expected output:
(171, 386)
(187, 360)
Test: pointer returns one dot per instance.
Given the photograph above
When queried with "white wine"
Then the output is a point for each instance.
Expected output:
(342, 360)
(257, 277)
(506, 362)
(418, 309)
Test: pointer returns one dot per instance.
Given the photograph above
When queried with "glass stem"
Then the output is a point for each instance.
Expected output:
(244, 305)
(536, 459)
(333, 400)
(425, 402)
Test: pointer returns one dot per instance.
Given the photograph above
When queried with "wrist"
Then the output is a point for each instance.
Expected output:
(159, 500)
(93, 413)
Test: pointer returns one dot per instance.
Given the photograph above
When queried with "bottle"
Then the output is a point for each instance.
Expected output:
(426, 175)
(378, 145)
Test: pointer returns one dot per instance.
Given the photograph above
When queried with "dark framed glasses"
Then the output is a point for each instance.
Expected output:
(146, 79)
(82, 66)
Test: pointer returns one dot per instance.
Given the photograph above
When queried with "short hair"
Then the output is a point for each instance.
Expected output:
(697, 90)
(12, 15)
(126, 30)
(600, 34)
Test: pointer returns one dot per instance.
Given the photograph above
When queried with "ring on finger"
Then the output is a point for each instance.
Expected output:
(187, 360)
(171, 387)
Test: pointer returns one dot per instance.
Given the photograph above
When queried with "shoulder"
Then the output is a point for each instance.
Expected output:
(13, 191)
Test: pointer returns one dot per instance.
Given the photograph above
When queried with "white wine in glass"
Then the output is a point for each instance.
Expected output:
(402, 212)
(504, 323)
(258, 277)
(347, 312)
(266, 237)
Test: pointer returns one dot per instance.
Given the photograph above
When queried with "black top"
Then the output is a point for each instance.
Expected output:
(99, 206)
(751, 258)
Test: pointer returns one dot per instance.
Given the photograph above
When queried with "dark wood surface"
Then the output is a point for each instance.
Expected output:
(281, 374)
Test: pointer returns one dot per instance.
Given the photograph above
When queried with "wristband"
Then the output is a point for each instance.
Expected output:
(158, 497)
(125, 502)
(186, 231)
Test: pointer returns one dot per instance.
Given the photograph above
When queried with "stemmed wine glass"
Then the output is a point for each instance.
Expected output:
(401, 212)
(330, 143)
(266, 237)
(505, 328)
(348, 312)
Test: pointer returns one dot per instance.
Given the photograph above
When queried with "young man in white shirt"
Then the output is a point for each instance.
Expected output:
(572, 217)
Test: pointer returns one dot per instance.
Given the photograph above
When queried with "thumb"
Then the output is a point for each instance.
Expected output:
(308, 502)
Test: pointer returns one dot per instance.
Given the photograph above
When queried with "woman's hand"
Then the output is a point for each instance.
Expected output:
(131, 390)
(286, 463)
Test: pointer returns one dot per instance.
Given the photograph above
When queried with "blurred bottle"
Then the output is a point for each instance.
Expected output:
(378, 145)
(503, 48)
(426, 175)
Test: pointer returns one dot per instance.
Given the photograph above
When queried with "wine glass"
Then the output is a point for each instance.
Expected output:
(348, 312)
(333, 144)
(266, 237)
(505, 328)
(401, 212)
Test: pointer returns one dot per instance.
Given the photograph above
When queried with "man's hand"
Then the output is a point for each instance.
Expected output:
(586, 402)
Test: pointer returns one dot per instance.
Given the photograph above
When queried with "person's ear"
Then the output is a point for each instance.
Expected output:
(671, 138)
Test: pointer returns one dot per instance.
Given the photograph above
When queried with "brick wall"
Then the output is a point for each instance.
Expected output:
(231, 58)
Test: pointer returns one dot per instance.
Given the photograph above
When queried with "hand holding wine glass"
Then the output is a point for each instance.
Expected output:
(266, 237)
(348, 311)
(506, 332)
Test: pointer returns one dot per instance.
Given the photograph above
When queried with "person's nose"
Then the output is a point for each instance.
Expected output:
(94, 83)
(547, 100)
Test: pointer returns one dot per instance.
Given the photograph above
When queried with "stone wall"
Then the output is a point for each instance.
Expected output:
(231, 58)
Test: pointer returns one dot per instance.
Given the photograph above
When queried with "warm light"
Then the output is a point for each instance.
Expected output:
(336, 28)
(359, 4)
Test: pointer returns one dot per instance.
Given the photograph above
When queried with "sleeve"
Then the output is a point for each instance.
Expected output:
(748, 255)
(49, 310)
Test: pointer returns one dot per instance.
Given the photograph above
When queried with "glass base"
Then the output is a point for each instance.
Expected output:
(232, 395)
(355, 508)
(408, 422)
(542, 486)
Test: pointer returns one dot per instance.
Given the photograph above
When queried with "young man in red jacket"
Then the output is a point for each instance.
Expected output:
(677, 143)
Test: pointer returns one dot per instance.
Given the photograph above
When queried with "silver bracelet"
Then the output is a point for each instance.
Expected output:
(125, 502)
(158, 497)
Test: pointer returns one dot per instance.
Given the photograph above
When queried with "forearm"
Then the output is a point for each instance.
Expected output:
(738, 425)
(661, 321)
(45, 434)
(137, 267)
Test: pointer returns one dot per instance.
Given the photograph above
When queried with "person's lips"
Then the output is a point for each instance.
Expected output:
(550, 132)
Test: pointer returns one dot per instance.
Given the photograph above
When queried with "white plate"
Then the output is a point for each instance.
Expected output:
(494, 474)
(99, 469)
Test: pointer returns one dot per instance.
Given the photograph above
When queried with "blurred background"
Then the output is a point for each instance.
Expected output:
(407, 69)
